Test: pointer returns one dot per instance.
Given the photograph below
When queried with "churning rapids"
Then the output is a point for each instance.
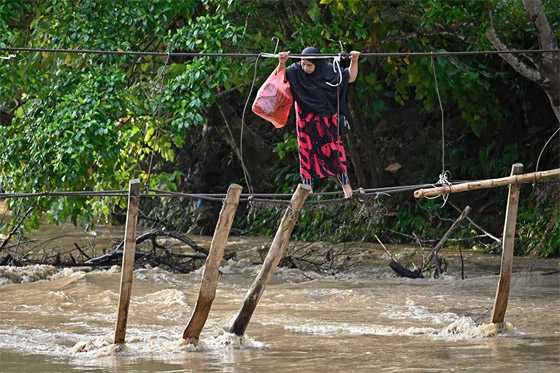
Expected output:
(362, 319)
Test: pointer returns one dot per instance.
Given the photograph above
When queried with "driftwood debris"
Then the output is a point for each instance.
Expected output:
(396, 266)
(159, 255)
(402, 271)
(14, 230)
(152, 235)
(444, 239)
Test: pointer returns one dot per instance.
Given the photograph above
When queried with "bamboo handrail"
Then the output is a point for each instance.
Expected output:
(484, 184)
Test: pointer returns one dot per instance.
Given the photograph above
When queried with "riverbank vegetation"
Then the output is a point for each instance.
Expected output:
(81, 121)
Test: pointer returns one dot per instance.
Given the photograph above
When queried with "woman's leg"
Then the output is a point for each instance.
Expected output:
(307, 182)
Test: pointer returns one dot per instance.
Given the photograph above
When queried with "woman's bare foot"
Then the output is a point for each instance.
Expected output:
(347, 191)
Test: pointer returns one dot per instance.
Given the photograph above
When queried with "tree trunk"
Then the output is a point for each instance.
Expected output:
(546, 69)
(549, 63)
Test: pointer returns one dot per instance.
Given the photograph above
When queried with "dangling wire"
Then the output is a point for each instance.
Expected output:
(443, 177)
(545, 145)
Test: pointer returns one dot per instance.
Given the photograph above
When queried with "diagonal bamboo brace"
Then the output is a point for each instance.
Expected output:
(211, 269)
(276, 252)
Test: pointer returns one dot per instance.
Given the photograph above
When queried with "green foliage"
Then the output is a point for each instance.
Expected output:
(92, 122)
(336, 223)
(419, 217)
(330, 224)
(490, 162)
(531, 238)
(467, 82)
(288, 145)
(371, 90)
(286, 169)
(511, 22)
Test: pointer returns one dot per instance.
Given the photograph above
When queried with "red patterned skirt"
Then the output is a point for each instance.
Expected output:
(321, 153)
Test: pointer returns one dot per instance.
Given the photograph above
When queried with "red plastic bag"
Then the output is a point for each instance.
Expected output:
(274, 99)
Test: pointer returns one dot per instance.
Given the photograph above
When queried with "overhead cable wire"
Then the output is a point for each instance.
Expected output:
(272, 55)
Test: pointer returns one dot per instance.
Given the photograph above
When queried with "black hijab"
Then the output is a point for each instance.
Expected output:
(311, 91)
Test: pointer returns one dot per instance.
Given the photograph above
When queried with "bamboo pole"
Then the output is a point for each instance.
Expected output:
(277, 250)
(211, 269)
(502, 293)
(127, 271)
(484, 184)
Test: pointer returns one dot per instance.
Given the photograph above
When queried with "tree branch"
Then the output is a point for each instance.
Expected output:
(522, 68)
(541, 23)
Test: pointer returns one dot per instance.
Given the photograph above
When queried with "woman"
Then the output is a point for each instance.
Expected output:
(320, 94)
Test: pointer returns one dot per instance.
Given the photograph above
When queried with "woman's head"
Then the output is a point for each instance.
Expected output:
(309, 66)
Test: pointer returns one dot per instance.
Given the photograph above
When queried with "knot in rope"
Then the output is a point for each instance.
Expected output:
(444, 178)
(444, 181)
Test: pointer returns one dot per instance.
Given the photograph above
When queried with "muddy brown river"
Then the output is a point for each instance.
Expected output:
(362, 319)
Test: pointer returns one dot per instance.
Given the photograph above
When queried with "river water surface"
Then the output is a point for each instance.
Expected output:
(364, 319)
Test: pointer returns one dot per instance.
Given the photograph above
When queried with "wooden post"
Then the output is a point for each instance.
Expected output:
(502, 293)
(277, 250)
(210, 275)
(127, 271)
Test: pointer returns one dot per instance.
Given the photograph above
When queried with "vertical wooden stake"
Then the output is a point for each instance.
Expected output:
(277, 250)
(127, 271)
(210, 275)
(502, 293)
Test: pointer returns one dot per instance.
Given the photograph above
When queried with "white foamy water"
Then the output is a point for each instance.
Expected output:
(461, 328)
(364, 319)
